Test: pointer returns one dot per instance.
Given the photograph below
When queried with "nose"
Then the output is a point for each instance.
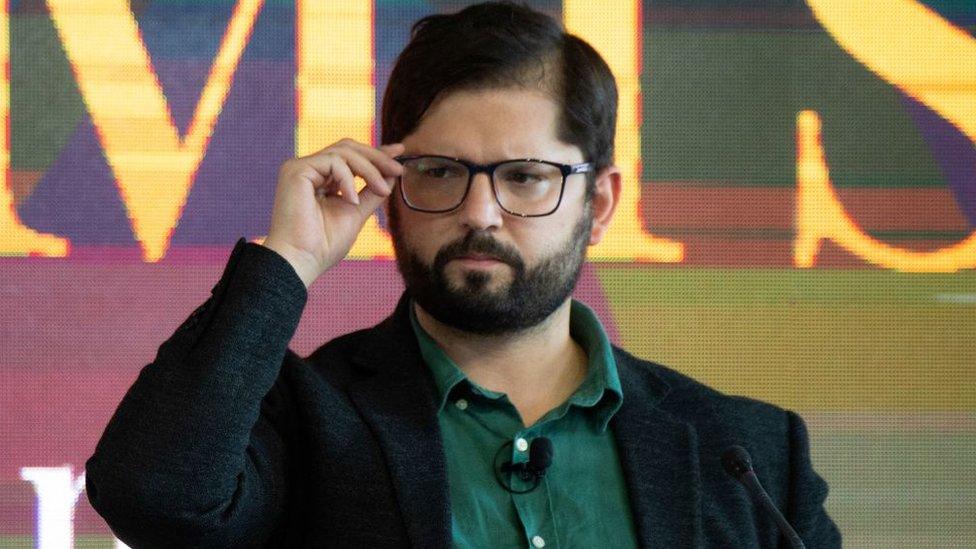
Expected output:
(480, 210)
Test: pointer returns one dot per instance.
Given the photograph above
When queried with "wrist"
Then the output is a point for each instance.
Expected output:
(300, 261)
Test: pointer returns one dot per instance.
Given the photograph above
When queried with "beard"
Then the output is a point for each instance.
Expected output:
(533, 294)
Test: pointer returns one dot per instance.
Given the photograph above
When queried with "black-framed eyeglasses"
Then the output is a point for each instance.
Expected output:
(525, 187)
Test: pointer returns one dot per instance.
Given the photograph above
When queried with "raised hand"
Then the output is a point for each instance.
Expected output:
(317, 212)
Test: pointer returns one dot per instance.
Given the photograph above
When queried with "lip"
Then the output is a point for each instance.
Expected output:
(477, 260)
(478, 257)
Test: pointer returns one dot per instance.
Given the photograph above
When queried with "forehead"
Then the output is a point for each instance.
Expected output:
(492, 125)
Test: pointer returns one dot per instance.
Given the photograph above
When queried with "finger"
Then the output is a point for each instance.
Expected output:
(369, 172)
(349, 194)
(333, 175)
(348, 154)
(345, 181)
(393, 149)
(381, 157)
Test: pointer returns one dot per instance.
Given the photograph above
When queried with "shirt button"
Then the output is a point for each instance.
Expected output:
(538, 541)
(522, 446)
(461, 404)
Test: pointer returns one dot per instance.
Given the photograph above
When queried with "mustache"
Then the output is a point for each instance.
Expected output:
(481, 243)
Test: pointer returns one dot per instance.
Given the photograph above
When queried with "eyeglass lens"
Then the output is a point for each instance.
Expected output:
(522, 187)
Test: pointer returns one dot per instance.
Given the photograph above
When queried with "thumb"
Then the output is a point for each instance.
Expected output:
(369, 202)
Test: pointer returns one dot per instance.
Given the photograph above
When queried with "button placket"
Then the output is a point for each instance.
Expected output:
(535, 511)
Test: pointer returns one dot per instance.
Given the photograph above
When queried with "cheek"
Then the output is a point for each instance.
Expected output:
(537, 241)
(556, 236)
(423, 234)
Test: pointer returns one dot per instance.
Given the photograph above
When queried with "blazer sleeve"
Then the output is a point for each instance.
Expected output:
(807, 493)
(192, 455)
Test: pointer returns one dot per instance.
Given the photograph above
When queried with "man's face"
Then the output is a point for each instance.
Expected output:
(478, 268)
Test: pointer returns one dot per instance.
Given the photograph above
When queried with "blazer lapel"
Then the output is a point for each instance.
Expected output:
(659, 456)
(398, 401)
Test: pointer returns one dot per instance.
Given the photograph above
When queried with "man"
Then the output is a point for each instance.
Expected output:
(489, 410)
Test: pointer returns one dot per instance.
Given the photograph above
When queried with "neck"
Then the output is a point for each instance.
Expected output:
(537, 368)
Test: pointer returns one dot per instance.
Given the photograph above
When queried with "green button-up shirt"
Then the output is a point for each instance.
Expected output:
(581, 501)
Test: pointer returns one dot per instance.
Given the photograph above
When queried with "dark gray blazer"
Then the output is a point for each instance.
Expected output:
(229, 439)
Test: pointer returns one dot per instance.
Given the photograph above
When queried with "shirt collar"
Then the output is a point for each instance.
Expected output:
(600, 391)
(446, 373)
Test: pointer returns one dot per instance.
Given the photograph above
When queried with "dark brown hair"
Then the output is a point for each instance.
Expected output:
(496, 45)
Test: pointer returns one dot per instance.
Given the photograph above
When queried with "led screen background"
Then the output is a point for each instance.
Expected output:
(798, 224)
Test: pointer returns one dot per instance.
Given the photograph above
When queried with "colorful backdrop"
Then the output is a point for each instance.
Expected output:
(798, 221)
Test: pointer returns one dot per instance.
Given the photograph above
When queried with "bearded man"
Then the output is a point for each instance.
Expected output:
(490, 409)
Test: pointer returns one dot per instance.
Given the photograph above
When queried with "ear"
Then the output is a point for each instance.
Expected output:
(606, 195)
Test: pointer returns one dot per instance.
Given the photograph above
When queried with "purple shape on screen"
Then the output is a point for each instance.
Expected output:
(953, 152)
(77, 197)
(234, 187)
(182, 81)
(233, 191)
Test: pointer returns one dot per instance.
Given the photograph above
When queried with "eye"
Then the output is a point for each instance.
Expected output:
(438, 169)
(528, 174)
(440, 172)
(523, 178)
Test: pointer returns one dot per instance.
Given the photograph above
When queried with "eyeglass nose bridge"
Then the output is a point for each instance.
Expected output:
(489, 170)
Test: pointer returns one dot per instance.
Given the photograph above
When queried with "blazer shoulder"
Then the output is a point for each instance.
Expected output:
(734, 419)
(351, 356)
(338, 351)
(344, 345)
